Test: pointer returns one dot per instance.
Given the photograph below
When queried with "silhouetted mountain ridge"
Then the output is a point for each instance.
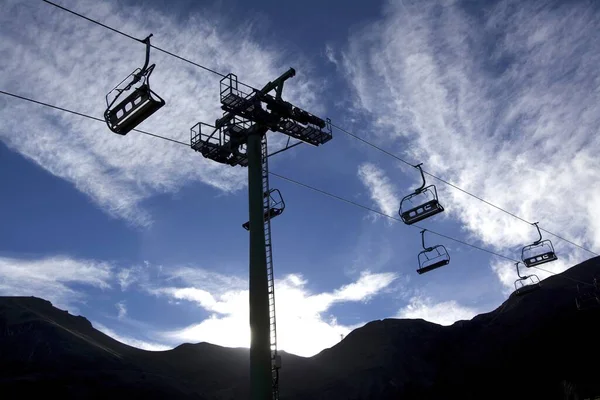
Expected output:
(532, 346)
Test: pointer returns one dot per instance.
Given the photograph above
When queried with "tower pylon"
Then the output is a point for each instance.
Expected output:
(239, 139)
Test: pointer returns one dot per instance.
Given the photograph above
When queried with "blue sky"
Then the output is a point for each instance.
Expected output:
(144, 237)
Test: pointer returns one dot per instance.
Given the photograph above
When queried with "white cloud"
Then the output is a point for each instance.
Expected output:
(202, 278)
(503, 104)
(55, 57)
(443, 313)
(304, 328)
(127, 276)
(52, 278)
(366, 286)
(382, 191)
(138, 275)
(140, 344)
(122, 309)
(330, 55)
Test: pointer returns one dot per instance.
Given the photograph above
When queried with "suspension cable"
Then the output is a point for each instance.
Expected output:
(333, 125)
(289, 180)
(134, 38)
(457, 187)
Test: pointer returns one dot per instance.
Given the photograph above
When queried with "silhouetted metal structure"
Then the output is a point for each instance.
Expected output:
(274, 208)
(588, 298)
(526, 283)
(432, 257)
(141, 102)
(422, 203)
(539, 252)
(239, 139)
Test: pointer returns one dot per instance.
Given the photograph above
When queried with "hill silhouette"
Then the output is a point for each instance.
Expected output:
(533, 346)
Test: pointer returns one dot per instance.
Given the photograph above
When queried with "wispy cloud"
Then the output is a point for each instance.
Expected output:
(381, 190)
(443, 313)
(202, 278)
(330, 55)
(53, 278)
(304, 328)
(122, 310)
(55, 57)
(128, 276)
(504, 104)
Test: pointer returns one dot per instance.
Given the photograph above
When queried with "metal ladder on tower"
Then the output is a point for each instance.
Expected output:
(275, 360)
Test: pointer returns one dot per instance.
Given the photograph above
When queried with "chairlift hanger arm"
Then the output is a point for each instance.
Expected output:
(423, 241)
(147, 43)
(519, 272)
(422, 177)
(136, 76)
(539, 233)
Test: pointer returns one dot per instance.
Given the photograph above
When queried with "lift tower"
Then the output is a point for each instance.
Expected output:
(239, 138)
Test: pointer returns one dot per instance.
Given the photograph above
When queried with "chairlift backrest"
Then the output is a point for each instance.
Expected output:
(276, 199)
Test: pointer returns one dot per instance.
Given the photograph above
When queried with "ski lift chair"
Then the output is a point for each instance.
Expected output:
(422, 203)
(131, 104)
(526, 283)
(432, 257)
(276, 206)
(539, 252)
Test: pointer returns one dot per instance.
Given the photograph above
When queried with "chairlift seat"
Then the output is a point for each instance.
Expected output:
(133, 110)
(539, 259)
(433, 266)
(527, 289)
(420, 212)
(272, 213)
